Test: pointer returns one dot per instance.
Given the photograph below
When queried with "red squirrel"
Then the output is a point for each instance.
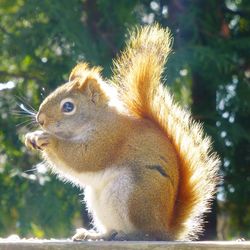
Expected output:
(145, 165)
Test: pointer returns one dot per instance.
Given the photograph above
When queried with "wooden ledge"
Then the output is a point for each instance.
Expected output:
(6, 244)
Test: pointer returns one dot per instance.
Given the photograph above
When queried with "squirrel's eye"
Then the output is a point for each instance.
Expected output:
(67, 106)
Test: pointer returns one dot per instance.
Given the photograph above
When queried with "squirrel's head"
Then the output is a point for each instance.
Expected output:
(74, 107)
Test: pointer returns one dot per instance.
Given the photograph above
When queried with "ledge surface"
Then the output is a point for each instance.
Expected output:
(6, 244)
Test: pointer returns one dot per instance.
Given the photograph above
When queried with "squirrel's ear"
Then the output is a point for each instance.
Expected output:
(78, 71)
(91, 87)
(83, 69)
(87, 80)
(94, 90)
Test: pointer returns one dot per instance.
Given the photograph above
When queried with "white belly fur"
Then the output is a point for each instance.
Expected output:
(106, 195)
(107, 200)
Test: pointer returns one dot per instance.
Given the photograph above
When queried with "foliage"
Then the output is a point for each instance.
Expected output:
(208, 71)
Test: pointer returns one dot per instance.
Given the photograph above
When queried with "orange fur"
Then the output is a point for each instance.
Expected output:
(137, 75)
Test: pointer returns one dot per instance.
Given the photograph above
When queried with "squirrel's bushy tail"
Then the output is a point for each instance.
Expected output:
(137, 73)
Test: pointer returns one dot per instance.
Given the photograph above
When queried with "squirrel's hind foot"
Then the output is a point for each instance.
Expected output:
(90, 235)
(83, 234)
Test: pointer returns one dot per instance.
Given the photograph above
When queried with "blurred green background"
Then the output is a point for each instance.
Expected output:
(208, 72)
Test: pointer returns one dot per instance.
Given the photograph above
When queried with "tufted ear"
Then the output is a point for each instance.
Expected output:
(78, 71)
(83, 69)
(88, 81)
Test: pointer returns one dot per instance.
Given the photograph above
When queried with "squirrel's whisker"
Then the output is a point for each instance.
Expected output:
(30, 170)
(21, 113)
(25, 109)
(22, 123)
(25, 123)
(22, 100)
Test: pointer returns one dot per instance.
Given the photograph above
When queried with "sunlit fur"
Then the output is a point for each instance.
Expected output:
(137, 74)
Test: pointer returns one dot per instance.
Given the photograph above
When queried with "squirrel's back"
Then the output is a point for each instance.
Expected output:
(137, 75)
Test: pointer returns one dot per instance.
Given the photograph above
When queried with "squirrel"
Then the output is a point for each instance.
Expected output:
(146, 167)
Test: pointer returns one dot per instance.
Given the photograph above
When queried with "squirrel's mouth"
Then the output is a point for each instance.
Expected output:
(63, 135)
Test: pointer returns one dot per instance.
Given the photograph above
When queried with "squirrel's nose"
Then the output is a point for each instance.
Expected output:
(40, 118)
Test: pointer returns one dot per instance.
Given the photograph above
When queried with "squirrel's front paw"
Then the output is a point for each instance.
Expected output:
(37, 140)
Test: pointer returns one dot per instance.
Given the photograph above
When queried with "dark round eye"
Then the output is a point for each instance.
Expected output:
(68, 107)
